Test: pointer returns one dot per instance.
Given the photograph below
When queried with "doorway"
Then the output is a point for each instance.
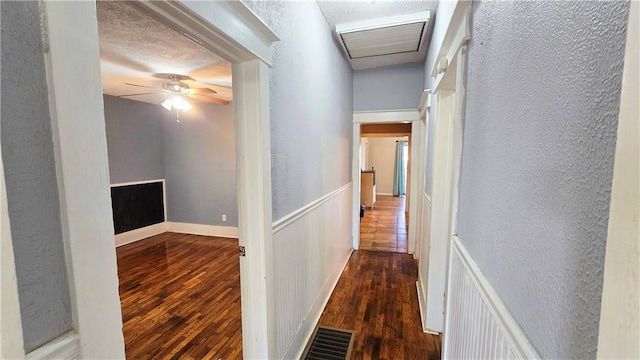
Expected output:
(383, 178)
(79, 137)
(386, 124)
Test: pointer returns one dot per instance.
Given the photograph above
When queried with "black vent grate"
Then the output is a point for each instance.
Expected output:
(329, 344)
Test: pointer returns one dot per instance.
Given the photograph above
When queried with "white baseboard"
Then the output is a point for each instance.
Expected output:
(139, 234)
(384, 194)
(296, 348)
(199, 229)
(65, 347)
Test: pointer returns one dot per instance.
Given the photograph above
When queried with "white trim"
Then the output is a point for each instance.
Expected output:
(201, 229)
(509, 326)
(425, 102)
(458, 34)
(66, 347)
(295, 352)
(385, 194)
(140, 234)
(11, 336)
(77, 117)
(228, 28)
(393, 20)
(253, 167)
(620, 309)
(295, 215)
(75, 90)
(355, 195)
(386, 116)
(417, 145)
(421, 300)
(138, 182)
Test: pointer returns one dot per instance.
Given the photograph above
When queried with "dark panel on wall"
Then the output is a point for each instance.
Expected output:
(137, 206)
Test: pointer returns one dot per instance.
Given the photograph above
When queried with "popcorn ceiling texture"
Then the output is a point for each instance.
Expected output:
(311, 105)
(30, 174)
(543, 92)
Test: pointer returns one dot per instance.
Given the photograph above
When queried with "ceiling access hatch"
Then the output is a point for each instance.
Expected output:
(386, 41)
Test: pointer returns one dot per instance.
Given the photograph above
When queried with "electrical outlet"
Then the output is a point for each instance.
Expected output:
(224, 217)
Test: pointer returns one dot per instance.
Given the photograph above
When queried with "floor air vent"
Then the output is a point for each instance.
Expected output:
(329, 344)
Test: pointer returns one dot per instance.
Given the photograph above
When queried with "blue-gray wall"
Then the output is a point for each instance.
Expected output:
(30, 174)
(200, 165)
(543, 92)
(389, 87)
(134, 134)
(311, 100)
(196, 156)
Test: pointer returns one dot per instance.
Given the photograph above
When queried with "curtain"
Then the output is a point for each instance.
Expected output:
(399, 175)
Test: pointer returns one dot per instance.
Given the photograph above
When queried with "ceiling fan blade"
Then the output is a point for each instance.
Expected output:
(208, 99)
(142, 86)
(202, 91)
(151, 93)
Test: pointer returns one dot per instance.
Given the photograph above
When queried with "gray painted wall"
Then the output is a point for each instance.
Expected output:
(390, 87)
(311, 106)
(542, 102)
(196, 156)
(134, 134)
(444, 13)
(30, 173)
(200, 165)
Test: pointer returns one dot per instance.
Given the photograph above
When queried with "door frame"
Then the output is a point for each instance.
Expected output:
(446, 172)
(418, 146)
(232, 31)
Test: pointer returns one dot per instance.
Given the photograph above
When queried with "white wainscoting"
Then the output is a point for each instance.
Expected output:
(312, 246)
(423, 260)
(478, 324)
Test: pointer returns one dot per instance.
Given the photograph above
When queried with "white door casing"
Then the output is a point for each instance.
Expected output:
(415, 190)
(231, 30)
(448, 102)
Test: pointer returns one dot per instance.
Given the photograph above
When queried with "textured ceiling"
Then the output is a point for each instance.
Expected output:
(135, 46)
(340, 12)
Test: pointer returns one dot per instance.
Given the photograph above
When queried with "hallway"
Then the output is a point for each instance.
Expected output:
(384, 228)
(376, 297)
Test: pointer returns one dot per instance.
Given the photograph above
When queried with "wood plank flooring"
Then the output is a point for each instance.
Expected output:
(376, 296)
(384, 228)
(180, 297)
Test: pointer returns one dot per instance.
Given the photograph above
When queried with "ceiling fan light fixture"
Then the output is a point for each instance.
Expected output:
(176, 103)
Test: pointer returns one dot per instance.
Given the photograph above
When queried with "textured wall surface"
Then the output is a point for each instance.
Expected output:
(134, 139)
(391, 87)
(200, 165)
(196, 156)
(311, 97)
(444, 13)
(29, 167)
(543, 94)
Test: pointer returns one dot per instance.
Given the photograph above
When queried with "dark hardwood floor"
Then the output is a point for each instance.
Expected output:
(384, 228)
(376, 296)
(180, 297)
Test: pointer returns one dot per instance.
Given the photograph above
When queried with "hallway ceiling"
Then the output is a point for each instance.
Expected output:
(134, 46)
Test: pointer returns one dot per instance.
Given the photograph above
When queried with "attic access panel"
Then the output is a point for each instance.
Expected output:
(389, 40)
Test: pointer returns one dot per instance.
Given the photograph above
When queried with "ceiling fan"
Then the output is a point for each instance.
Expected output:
(174, 84)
